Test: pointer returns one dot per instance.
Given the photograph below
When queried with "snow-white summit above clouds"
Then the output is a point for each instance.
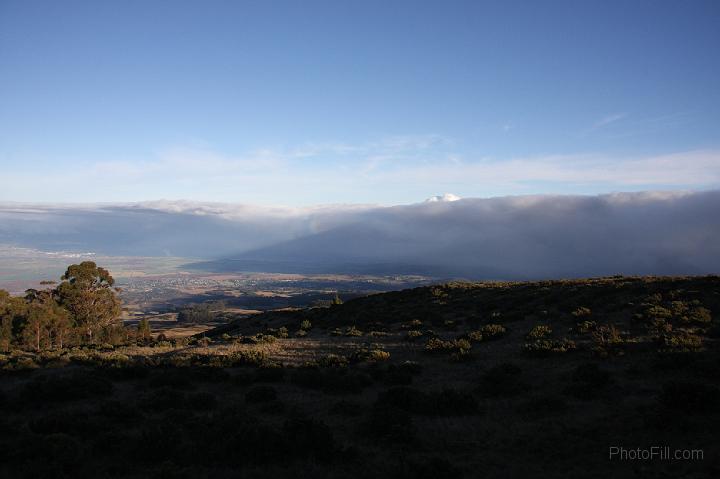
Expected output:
(443, 198)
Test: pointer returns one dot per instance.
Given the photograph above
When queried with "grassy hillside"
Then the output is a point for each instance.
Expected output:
(456, 380)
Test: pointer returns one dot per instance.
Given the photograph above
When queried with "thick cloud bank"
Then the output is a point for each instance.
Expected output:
(508, 237)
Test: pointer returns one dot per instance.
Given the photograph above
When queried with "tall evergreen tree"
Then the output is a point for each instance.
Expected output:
(87, 292)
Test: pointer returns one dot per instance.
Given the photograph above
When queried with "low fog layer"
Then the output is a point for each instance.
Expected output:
(497, 238)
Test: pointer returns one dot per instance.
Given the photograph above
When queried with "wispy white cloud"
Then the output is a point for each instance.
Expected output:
(399, 169)
(607, 120)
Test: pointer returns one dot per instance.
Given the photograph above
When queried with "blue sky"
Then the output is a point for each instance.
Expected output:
(299, 103)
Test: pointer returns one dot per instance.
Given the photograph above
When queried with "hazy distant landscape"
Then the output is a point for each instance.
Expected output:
(524, 237)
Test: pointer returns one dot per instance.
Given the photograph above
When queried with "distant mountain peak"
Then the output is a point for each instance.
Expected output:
(444, 198)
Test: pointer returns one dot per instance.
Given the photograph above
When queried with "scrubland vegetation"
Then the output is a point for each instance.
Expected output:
(456, 380)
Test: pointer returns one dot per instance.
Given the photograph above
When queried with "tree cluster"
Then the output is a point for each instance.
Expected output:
(82, 305)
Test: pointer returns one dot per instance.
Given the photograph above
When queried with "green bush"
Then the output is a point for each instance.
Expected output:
(353, 331)
(607, 340)
(679, 341)
(679, 309)
(657, 312)
(542, 347)
(539, 331)
(493, 331)
(584, 327)
(437, 345)
(333, 361)
(487, 332)
(581, 312)
(700, 315)
(372, 355)
(413, 334)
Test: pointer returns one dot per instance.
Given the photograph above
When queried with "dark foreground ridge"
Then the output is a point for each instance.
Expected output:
(542, 379)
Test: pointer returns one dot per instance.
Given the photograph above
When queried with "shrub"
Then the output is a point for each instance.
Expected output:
(487, 332)
(353, 331)
(372, 355)
(700, 315)
(413, 334)
(581, 312)
(659, 327)
(539, 331)
(492, 331)
(549, 346)
(265, 338)
(414, 324)
(332, 361)
(607, 340)
(301, 333)
(681, 341)
(657, 312)
(247, 357)
(475, 336)
(584, 327)
(679, 309)
(305, 325)
(437, 345)
(282, 332)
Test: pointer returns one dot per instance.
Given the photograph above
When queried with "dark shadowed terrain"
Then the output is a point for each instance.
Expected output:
(457, 380)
